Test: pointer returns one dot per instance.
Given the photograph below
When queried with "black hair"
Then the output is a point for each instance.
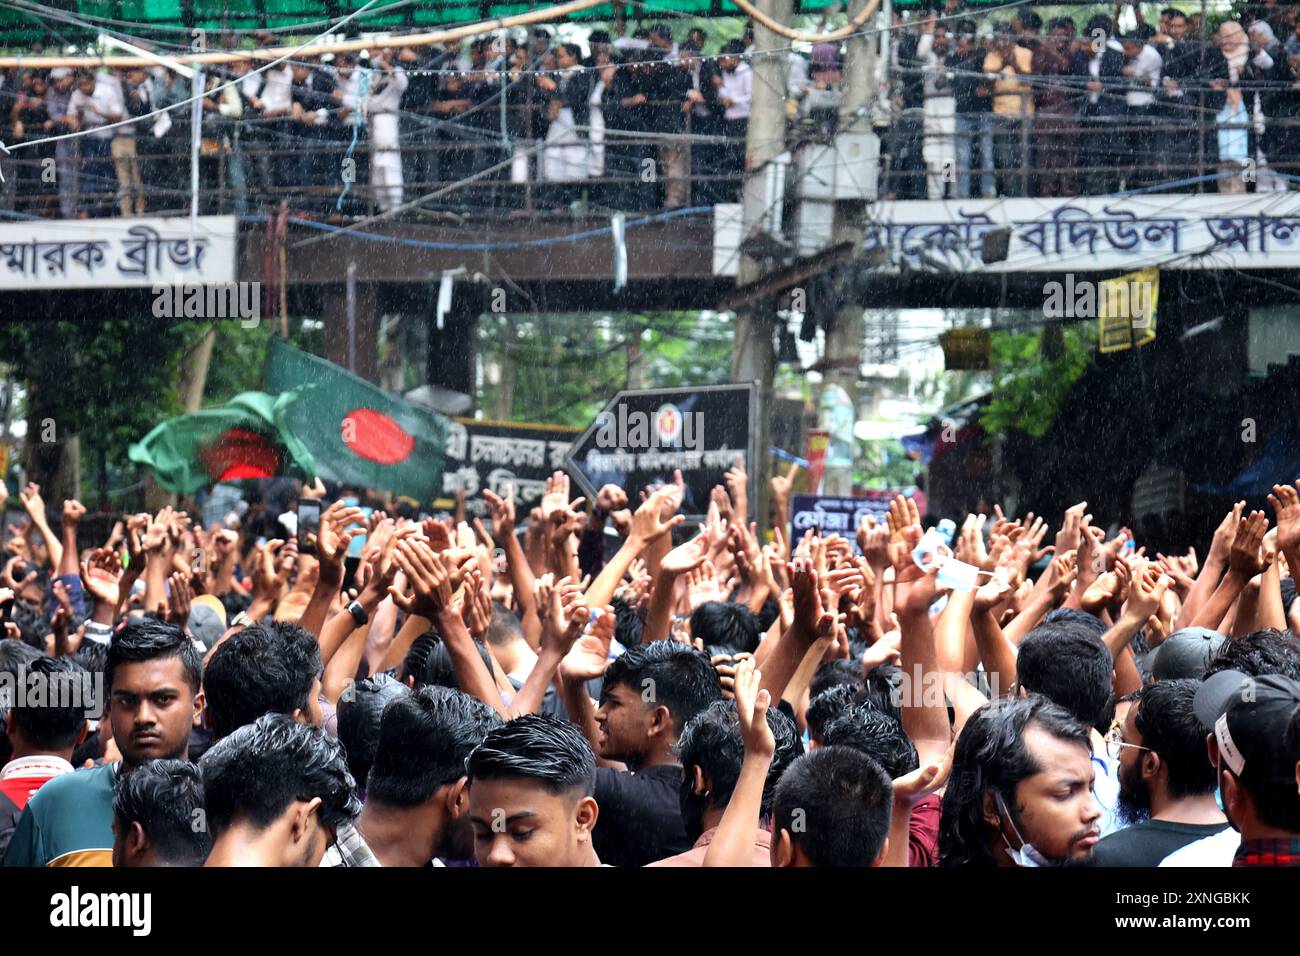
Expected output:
(1030, 20)
(263, 669)
(767, 615)
(536, 747)
(147, 640)
(835, 672)
(883, 687)
(732, 48)
(828, 705)
(166, 798)
(92, 655)
(1073, 615)
(1173, 12)
(835, 803)
(1100, 22)
(628, 624)
(1062, 23)
(258, 771)
(58, 721)
(678, 676)
(730, 624)
(991, 756)
(503, 627)
(1069, 665)
(424, 740)
(711, 740)
(234, 603)
(1169, 726)
(1266, 651)
(360, 710)
(429, 662)
(15, 655)
(877, 735)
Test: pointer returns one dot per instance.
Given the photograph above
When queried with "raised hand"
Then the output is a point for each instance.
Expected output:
(814, 610)
(685, 557)
(925, 780)
(73, 511)
(1221, 543)
(426, 576)
(737, 480)
(650, 522)
(556, 494)
(783, 485)
(702, 586)
(752, 702)
(180, 599)
(502, 511)
(1286, 505)
(873, 542)
(1246, 557)
(1067, 539)
(100, 574)
(611, 498)
(33, 503)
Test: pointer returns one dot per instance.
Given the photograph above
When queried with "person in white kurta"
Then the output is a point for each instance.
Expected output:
(388, 83)
(940, 146)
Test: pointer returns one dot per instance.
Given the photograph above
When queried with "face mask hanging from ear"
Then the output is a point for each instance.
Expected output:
(1026, 855)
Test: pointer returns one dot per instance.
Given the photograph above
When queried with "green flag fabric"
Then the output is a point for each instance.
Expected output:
(358, 434)
(246, 438)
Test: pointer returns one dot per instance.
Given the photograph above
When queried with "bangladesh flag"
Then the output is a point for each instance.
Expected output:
(358, 434)
(246, 438)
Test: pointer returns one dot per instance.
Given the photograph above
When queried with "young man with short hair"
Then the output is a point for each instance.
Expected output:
(1166, 781)
(276, 793)
(648, 695)
(1255, 749)
(265, 669)
(417, 802)
(42, 739)
(712, 752)
(152, 675)
(158, 817)
(530, 795)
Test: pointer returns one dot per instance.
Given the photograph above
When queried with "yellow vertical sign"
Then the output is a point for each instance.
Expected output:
(1126, 310)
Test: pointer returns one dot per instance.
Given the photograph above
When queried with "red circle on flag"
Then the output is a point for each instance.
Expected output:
(375, 437)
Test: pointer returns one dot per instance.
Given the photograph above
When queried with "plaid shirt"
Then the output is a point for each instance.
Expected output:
(1268, 853)
(349, 850)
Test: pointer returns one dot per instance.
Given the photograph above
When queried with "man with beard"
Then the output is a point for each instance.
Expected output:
(1166, 782)
(1020, 793)
(152, 675)
(417, 801)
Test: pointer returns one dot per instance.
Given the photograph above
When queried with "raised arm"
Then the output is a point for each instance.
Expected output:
(733, 844)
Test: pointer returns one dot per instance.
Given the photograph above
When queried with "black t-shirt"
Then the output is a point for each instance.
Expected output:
(640, 815)
(1146, 844)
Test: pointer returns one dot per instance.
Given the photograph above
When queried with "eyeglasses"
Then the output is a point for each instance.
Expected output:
(1115, 745)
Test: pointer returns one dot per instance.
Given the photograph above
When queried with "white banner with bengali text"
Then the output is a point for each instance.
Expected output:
(116, 253)
(1102, 233)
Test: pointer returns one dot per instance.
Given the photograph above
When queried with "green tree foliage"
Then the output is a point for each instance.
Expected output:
(1030, 382)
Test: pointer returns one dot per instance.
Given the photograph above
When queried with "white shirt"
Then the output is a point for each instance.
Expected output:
(737, 86)
(277, 91)
(1216, 850)
(388, 99)
(92, 110)
(1146, 72)
(797, 82)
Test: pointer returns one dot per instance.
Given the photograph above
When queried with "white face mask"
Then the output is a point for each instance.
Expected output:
(1026, 855)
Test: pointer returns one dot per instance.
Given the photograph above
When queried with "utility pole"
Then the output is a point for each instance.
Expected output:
(844, 342)
(752, 359)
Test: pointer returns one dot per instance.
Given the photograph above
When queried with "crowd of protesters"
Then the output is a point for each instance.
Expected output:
(1013, 109)
(649, 121)
(584, 686)
(976, 108)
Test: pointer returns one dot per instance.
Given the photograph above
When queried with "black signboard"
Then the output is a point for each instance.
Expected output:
(491, 455)
(641, 437)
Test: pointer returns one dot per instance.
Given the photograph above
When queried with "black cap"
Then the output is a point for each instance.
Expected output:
(1250, 717)
(1186, 653)
(598, 36)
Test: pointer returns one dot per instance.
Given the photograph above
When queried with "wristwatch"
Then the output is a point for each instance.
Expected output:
(358, 613)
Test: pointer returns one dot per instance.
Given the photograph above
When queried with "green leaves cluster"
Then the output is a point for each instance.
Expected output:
(1031, 382)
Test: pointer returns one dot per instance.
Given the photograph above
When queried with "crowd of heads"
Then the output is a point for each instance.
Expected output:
(577, 687)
